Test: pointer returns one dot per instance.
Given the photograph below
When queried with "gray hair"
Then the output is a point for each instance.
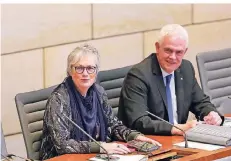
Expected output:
(78, 53)
(173, 30)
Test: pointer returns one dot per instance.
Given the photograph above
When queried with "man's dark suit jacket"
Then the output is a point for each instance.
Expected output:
(144, 90)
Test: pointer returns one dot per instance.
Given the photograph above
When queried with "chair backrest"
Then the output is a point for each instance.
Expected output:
(112, 81)
(30, 107)
(215, 74)
(225, 107)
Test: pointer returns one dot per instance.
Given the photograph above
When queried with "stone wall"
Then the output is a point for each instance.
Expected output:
(37, 38)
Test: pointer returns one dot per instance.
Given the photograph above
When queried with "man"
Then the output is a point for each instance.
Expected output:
(165, 85)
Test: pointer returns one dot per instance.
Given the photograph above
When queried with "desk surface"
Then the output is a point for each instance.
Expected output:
(167, 142)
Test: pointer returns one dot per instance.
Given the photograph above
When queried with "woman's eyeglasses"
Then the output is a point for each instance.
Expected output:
(90, 69)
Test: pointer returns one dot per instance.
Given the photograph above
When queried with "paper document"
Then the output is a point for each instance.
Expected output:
(228, 118)
(198, 145)
(227, 122)
(123, 158)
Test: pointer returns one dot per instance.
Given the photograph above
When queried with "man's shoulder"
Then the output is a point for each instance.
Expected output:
(186, 64)
(186, 69)
(185, 61)
(144, 66)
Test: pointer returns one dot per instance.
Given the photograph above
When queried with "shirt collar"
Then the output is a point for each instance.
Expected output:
(164, 73)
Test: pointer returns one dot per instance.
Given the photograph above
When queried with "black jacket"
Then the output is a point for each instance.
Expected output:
(144, 89)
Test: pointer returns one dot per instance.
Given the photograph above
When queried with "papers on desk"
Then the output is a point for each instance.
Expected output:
(227, 122)
(123, 158)
(199, 145)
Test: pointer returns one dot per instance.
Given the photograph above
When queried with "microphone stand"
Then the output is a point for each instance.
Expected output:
(86, 134)
(184, 134)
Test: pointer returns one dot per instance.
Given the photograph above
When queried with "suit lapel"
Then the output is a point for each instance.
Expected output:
(161, 88)
(159, 79)
(179, 88)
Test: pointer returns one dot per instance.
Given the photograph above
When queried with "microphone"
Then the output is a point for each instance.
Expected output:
(185, 136)
(108, 157)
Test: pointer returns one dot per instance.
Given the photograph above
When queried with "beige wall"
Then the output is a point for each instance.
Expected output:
(36, 40)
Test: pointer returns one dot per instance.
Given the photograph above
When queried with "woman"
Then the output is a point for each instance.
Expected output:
(79, 98)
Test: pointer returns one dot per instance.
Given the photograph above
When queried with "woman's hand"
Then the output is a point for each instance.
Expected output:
(114, 148)
(145, 139)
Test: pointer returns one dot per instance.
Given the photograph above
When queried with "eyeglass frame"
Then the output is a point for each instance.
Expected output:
(86, 68)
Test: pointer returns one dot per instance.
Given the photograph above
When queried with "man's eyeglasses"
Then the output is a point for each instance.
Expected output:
(90, 69)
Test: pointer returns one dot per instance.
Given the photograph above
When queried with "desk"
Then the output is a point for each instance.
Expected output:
(167, 142)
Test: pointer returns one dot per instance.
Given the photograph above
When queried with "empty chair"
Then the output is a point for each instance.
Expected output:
(215, 74)
(225, 107)
(30, 107)
(112, 81)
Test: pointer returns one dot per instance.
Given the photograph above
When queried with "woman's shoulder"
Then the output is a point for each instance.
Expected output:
(60, 92)
(102, 93)
(100, 89)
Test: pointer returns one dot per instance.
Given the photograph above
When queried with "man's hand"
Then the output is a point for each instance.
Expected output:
(184, 127)
(213, 118)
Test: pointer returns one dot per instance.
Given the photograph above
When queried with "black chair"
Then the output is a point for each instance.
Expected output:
(215, 74)
(30, 107)
(112, 81)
